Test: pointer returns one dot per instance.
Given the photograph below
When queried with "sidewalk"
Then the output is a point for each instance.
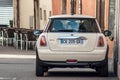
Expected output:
(11, 52)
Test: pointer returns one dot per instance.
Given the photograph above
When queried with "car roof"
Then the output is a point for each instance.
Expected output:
(71, 16)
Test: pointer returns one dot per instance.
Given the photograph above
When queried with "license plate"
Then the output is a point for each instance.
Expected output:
(71, 41)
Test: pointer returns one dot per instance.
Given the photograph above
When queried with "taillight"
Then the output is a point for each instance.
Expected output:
(100, 42)
(43, 41)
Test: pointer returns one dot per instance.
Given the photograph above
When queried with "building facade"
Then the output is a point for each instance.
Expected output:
(96, 8)
(31, 14)
(116, 12)
(34, 13)
(6, 13)
(45, 11)
(26, 13)
(56, 7)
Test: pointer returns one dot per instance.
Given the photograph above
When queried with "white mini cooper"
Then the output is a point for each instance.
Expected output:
(72, 41)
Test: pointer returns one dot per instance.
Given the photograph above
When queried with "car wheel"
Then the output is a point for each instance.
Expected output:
(103, 71)
(39, 69)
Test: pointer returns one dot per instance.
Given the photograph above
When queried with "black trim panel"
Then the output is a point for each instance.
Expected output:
(78, 64)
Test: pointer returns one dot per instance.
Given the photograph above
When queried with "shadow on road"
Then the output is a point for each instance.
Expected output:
(74, 74)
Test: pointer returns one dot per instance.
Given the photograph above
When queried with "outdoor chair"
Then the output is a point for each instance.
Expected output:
(8, 36)
(2, 36)
(30, 39)
(18, 37)
(23, 38)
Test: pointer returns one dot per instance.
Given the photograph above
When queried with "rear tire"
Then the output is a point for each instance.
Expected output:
(39, 69)
(103, 71)
(46, 69)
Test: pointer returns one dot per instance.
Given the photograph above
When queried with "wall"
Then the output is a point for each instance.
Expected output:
(117, 32)
(56, 6)
(26, 11)
(106, 14)
(45, 12)
(68, 7)
(89, 8)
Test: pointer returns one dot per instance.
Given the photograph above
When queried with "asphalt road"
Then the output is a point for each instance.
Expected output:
(24, 69)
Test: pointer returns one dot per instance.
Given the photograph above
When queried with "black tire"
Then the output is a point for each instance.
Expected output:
(39, 69)
(103, 71)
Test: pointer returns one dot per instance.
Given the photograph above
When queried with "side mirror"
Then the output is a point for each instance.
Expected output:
(37, 32)
(111, 38)
(107, 33)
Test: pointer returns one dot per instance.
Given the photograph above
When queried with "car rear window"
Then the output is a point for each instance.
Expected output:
(73, 25)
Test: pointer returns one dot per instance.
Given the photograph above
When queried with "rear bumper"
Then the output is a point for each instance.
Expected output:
(61, 64)
(47, 55)
(93, 59)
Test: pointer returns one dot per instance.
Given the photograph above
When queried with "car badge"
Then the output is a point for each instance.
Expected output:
(72, 35)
